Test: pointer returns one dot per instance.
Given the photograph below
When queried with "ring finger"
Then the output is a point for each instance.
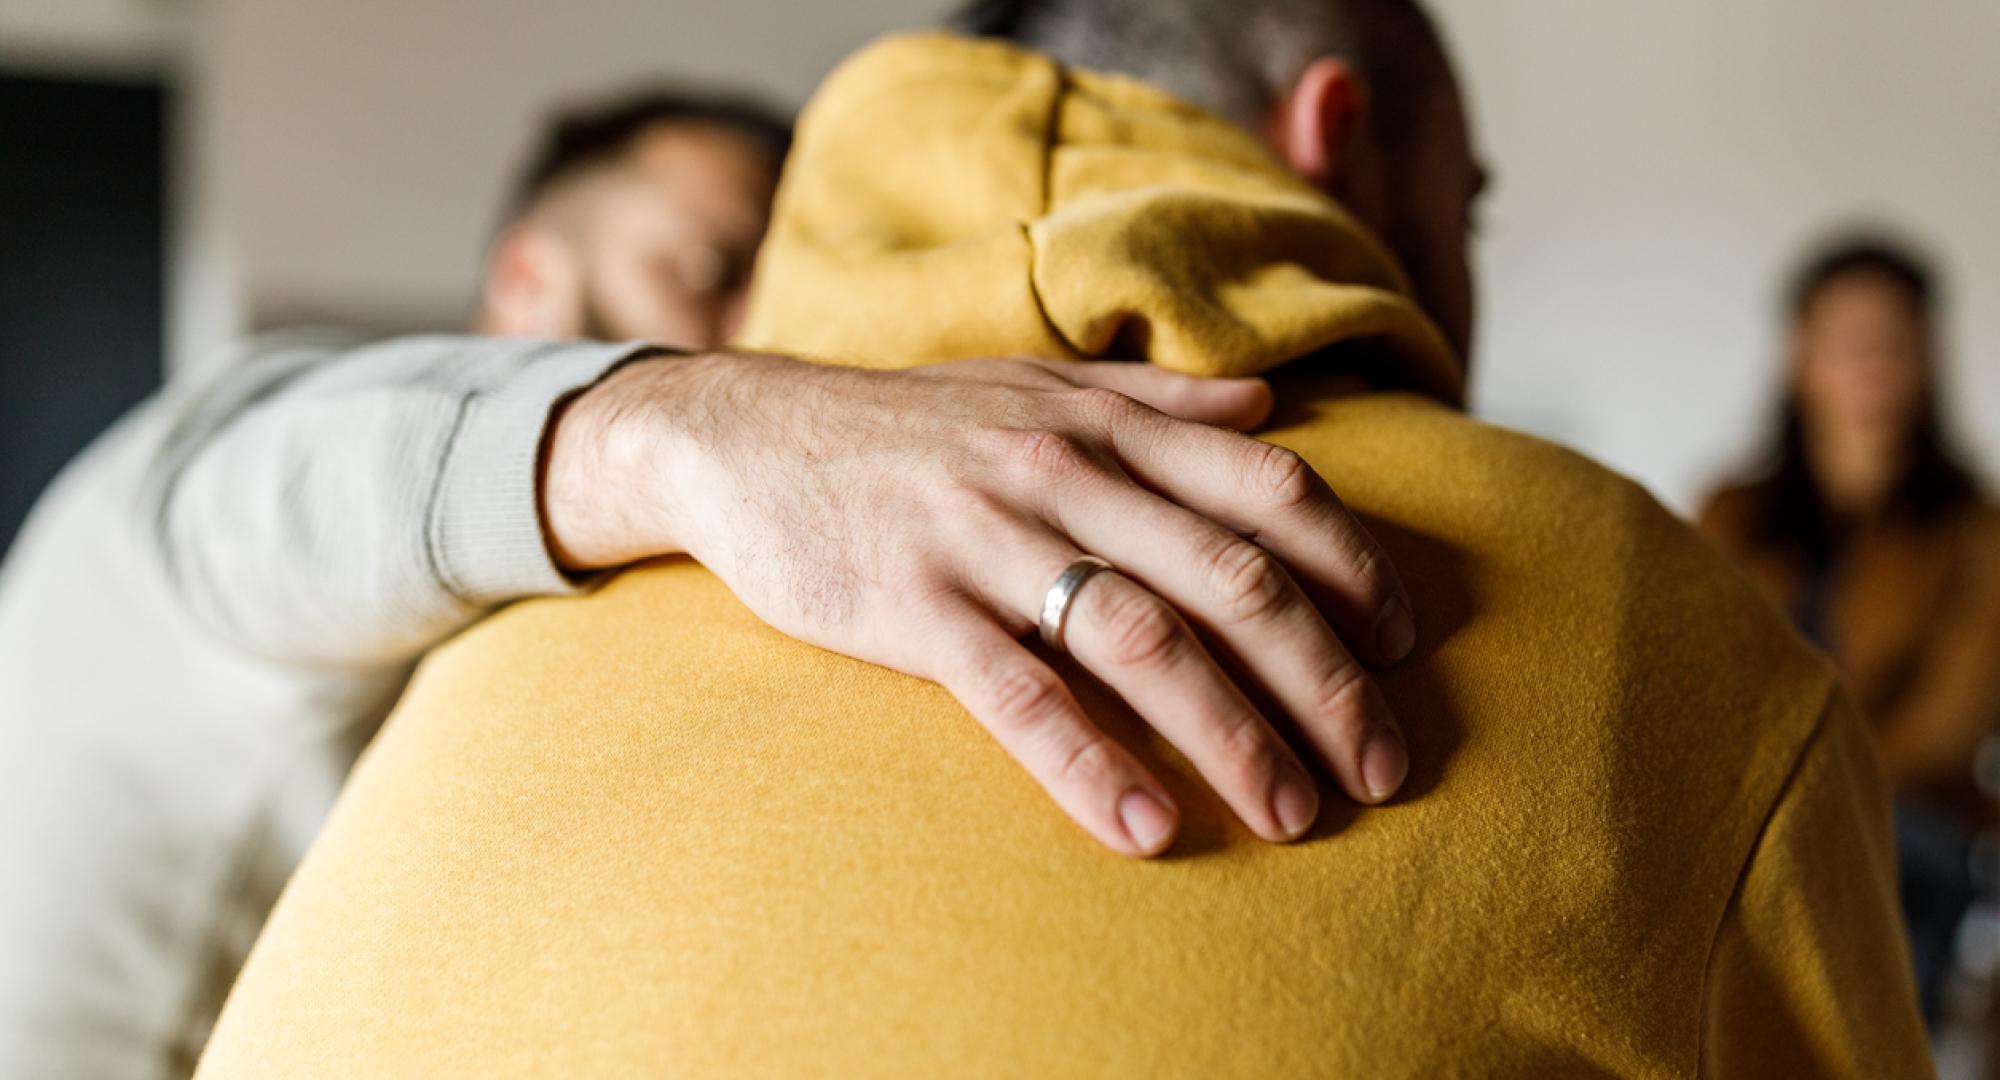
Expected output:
(1250, 607)
(1141, 647)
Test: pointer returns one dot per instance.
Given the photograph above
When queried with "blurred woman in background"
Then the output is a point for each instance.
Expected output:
(1884, 551)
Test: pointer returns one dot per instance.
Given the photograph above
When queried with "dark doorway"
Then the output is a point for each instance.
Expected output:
(83, 178)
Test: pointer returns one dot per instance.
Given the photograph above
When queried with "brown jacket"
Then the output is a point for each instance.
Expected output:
(1913, 622)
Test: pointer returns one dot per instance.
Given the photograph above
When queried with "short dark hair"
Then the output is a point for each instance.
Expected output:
(587, 137)
(1870, 255)
(1236, 58)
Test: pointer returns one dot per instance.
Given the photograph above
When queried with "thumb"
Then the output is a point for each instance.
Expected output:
(1241, 404)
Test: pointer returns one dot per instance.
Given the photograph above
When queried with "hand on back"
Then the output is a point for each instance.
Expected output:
(918, 520)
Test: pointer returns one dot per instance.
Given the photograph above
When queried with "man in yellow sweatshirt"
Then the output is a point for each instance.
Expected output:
(1641, 833)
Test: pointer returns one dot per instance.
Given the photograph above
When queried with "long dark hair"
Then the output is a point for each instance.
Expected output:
(1792, 512)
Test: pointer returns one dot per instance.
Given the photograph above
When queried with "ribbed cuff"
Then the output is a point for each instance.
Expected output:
(486, 521)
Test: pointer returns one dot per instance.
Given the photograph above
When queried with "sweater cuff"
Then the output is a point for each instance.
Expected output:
(486, 519)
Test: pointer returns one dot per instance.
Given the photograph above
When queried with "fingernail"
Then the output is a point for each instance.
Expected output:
(1395, 631)
(1147, 821)
(1385, 761)
(1296, 802)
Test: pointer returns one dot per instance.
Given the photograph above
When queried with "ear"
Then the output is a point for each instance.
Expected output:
(1318, 126)
(533, 286)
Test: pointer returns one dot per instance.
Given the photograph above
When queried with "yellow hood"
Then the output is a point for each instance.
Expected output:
(950, 198)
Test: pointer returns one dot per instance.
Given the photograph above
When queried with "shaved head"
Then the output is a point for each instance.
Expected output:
(1237, 58)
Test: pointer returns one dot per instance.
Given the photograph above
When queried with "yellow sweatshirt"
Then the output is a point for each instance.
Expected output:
(642, 834)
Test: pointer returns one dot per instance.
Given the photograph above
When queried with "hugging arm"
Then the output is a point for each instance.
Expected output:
(355, 507)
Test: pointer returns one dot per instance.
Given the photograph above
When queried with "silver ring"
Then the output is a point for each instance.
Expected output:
(1055, 605)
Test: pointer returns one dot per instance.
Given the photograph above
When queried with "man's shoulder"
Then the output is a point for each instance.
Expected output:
(1534, 512)
(1546, 536)
(1572, 618)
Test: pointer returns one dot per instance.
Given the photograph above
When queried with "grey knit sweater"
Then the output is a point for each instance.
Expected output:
(204, 619)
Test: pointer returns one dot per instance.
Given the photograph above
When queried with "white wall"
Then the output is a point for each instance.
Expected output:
(1660, 165)
(364, 146)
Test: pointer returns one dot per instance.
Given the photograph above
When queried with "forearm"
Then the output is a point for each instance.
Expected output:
(358, 506)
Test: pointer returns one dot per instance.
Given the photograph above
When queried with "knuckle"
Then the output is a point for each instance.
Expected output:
(970, 509)
(1362, 565)
(1104, 407)
(1342, 696)
(1249, 581)
(1284, 478)
(1367, 564)
(1142, 632)
(987, 445)
(1029, 371)
(1048, 457)
(1090, 763)
(929, 599)
(1242, 752)
(1252, 741)
(1025, 700)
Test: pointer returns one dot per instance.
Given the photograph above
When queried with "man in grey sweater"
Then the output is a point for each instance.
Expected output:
(211, 610)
